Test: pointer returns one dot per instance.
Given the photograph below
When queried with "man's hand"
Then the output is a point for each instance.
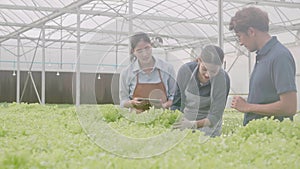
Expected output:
(239, 104)
(185, 124)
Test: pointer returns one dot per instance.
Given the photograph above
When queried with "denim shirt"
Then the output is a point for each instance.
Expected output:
(128, 79)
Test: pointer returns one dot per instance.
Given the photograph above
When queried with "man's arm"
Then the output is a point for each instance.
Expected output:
(219, 92)
(286, 106)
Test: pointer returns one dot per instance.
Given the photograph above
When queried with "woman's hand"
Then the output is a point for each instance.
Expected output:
(167, 104)
(134, 102)
(140, 105)
(185, 124)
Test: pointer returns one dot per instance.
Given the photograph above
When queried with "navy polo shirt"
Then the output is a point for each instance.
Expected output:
(273, 74)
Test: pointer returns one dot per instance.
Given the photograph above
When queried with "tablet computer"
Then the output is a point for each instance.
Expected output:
(149, 99)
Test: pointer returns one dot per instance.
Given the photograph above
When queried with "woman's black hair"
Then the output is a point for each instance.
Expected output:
(134, 40)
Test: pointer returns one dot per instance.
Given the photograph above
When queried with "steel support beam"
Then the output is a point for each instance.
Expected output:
(220, 24)
(43, 66)
(18, 71)
(47, 18)
(78, 60)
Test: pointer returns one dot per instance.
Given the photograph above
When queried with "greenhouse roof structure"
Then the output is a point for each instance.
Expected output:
(92, 35)
(187, 21)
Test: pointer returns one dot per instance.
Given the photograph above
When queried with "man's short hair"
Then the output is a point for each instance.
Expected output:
(249, 17)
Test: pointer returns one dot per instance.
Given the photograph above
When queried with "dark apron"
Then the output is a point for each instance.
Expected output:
(149, 90)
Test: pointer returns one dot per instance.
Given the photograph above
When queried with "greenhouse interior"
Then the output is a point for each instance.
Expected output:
(60, 65)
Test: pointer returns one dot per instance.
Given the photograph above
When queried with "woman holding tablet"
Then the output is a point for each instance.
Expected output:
(148, 80)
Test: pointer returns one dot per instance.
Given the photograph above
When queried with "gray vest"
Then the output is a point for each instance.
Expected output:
(196, 108)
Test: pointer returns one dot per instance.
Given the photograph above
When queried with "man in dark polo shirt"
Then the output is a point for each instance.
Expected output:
(272, 89)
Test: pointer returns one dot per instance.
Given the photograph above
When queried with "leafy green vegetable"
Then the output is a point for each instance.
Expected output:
(57, 136)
